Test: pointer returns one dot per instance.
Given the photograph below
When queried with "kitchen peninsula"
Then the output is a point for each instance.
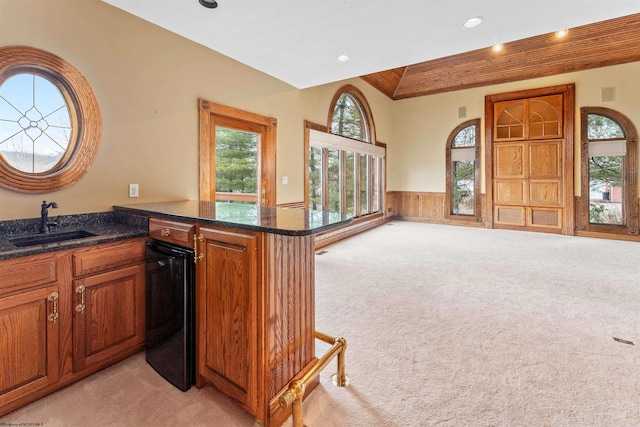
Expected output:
(255, 307)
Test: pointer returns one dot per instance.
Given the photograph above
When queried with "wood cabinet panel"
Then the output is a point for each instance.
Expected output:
(178, 233)
(29, 343)
(544, 217)
(227, 292)
(509, 161)
(107, 257)
(545, 160)
(111, 320)
(545, 192)
(510, 191)
(510, 215)
(30, 272)
(290, 340)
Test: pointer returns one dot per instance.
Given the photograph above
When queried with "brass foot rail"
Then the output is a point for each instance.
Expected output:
(293, 396)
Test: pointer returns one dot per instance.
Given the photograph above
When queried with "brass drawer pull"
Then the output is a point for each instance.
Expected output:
(80, 290)
(54, 298)
(165, 232)
(195, 248)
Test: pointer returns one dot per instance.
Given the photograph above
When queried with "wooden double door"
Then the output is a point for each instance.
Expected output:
(530, 153)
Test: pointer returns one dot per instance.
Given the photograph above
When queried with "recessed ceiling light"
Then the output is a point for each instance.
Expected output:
(497, 47)
(473, 22)
(211, 4)
(343, 58)
(561, 33)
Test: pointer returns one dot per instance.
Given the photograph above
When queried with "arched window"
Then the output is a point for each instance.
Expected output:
(345, 165)
(349, 118)
(463, 171)
(609, 171)
(50, 123)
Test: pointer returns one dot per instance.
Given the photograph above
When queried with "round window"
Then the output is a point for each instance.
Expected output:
(35, 127)
(50, 123)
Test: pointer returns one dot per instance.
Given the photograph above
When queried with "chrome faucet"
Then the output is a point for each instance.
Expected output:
(44, 216)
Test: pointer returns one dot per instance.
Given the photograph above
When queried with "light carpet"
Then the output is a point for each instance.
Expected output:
(446, 326)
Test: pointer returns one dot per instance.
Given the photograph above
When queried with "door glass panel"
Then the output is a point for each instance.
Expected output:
(334, 180)
(463, 187)
(236, 163)
(510, 122)
(544, 116)
(315, 178)
(605, 190)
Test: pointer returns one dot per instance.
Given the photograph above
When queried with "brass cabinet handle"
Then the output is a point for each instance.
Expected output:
(165, 232)
(195, 248)
(80, 290)
(52, 317)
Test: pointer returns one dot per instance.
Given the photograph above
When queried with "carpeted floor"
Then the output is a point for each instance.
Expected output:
(446, 326)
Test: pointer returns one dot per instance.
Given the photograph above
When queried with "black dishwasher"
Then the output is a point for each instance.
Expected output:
(170, 318)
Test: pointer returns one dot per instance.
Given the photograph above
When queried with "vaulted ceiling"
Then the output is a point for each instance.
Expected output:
(299, 41)
(610, 42)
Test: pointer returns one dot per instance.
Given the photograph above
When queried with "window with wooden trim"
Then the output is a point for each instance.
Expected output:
(609, 171)
(50, 122)
(463, 171)
(345, 166)
(237, 155)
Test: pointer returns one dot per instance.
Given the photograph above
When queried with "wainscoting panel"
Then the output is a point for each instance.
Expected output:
(426, 207)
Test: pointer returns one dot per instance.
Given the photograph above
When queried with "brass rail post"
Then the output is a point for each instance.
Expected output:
(293, 396)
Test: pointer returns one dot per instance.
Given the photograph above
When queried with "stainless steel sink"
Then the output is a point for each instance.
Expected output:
(41, 239)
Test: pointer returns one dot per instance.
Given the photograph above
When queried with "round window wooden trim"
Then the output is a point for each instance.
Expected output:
(85, 117)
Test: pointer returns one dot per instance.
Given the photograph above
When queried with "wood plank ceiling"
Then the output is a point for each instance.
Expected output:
(611, 42)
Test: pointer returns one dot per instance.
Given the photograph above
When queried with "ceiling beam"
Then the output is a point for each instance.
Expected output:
(605, 43)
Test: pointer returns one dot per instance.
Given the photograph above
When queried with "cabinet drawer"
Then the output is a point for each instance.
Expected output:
(179, 233)
(106, 257)
(26, 272)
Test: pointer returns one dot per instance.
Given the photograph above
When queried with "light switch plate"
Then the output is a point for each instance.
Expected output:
(133, 190)
(285, 180)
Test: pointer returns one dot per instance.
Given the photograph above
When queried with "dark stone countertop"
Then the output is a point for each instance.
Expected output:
(107, 227)
(249, 216)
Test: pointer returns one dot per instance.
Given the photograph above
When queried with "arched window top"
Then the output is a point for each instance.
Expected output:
(50, 122)
(465, 137)
(602, 127)
(350, 115)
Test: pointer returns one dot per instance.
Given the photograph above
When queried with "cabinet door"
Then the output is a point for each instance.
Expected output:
(227, 314)
(108, 316)
(29, 327)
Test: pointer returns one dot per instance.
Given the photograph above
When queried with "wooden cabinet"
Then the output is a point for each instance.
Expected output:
(108, 317)
(255, 315)
(66, 314)
(178, 233)
(28, 343)
(227, 293)
(529, 142)
(108, 307)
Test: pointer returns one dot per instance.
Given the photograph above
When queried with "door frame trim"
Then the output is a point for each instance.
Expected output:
(267, 155)
(568, 92)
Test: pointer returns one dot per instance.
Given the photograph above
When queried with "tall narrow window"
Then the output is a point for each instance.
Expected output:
(462, 168)
(609, 166)
(345, 166)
